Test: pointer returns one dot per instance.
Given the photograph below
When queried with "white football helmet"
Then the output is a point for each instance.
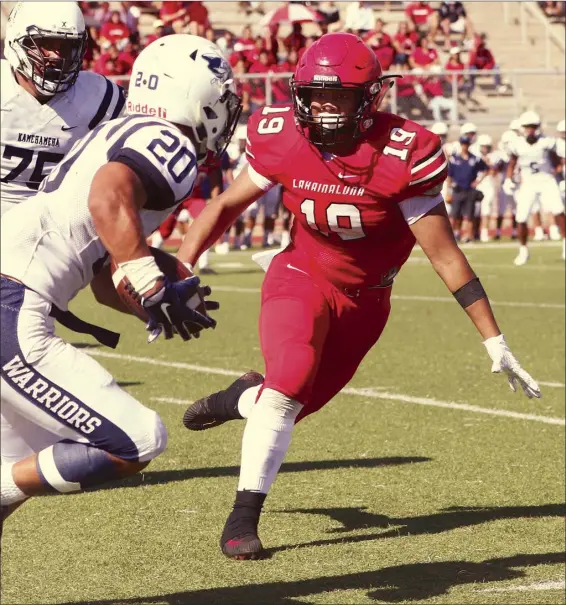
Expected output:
(529, 118)
(468, 128)
(46, 42)
(484, 140)
(515, 125)
(440, 128)
(186, 80)
(561, 127)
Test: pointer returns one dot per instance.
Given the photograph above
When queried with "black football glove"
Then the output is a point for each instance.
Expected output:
(171, 307)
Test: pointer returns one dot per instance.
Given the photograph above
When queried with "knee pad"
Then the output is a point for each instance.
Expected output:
(69, 466)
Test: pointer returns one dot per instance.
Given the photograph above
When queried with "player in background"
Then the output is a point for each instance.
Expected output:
(66, 424)
(535, 155)
(363, 187)
(505, 201)
(489, 185)
(441, 130)
(209, 184)
(47, 102)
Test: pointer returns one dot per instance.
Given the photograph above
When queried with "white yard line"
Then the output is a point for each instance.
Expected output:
(443, 299)
(552, 385)
(548, 585)
(371, 393)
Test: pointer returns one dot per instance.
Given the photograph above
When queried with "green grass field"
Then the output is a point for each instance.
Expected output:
(427, 481)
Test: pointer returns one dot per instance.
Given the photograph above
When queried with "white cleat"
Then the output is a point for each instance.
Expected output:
(554, 233)
(522, 257)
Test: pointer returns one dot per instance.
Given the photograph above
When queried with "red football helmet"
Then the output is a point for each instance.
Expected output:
(338, 61)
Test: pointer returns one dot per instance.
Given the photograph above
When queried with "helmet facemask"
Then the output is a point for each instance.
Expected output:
(215, 134)
(50, 75)
(328, 129)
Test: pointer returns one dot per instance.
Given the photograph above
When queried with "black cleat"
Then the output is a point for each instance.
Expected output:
(218, 408)
(239, 539)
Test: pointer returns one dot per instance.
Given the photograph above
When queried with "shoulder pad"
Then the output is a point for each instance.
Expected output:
(162, 157)
(271, 135)
(98, 98)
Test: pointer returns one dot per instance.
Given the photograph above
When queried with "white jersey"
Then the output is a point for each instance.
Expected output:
(36, 137)
(55, 250)
(533, 160)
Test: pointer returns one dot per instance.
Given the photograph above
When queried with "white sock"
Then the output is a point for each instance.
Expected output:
(203, 260)
(539, 232)
(10, 493)
(157, 240)
(247, 401)
(267, 437)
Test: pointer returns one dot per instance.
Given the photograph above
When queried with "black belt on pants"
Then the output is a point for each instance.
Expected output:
(72, 322)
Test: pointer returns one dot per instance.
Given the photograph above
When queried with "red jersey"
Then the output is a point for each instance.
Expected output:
(419, 12)
(114, 31)
(349, 228)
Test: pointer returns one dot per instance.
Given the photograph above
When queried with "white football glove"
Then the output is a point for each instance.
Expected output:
(509, 186)
(505, 361)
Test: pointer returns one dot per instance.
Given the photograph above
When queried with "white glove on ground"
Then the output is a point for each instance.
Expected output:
(505, 361)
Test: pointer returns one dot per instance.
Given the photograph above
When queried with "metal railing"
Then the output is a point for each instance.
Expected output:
(528, 12)
(272, 87)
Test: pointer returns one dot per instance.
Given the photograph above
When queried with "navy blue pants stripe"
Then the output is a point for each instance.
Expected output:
(100, 431)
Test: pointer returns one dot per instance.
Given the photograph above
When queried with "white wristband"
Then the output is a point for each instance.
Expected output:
(142, 273)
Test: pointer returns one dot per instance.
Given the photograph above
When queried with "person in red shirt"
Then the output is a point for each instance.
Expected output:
(381, 44)
(158, 32)
(113, 31)
(405, 42)
(280, 86)
(243, 87)
(246, 41)
(261, 66)
(127, 56)
(295, 39)
(364, 187)
(252, 56)
(418, 13)
(199, 13)
(171, 11)
(482, 58)
(436, 97)
(109, 63)
(424, 54)
(455, 63)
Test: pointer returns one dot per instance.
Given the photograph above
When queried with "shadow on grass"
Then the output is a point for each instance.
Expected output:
(159, 477)
(354, 519)
(400, 583)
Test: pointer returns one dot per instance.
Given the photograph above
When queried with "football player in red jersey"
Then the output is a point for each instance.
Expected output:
(363, 187)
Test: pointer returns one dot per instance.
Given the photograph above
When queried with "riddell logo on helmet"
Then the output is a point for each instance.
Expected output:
(324, 78)
(160, 112)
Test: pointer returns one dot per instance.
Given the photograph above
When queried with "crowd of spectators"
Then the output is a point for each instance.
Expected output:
(432, 37)
(555, 11)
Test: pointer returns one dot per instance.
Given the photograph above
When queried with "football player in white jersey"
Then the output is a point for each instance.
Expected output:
(66, 424)
(47, 103)
(536, 156)
(488, 185)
